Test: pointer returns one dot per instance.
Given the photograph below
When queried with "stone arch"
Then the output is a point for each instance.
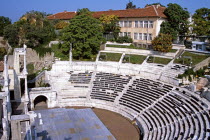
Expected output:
(40, 102)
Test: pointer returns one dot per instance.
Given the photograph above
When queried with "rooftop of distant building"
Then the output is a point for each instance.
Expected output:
(148, 11)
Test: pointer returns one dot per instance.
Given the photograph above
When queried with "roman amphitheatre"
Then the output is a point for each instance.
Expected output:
(103, 100)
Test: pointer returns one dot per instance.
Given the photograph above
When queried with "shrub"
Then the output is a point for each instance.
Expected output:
(2, 53)
(188, 44)
(124, 39)
(162, 43)
(30, 68)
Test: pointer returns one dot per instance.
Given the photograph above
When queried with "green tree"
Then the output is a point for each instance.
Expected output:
(33, 29)
(4, 21)
(167, 29)
(2, 53)
(110, 24)
(61, 25)
(11, 34)
(162, 43)
(130, 5)
(177, 23)
(201, 20)
(85, 32)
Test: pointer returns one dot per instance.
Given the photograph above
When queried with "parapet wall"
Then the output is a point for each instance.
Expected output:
(112, 67)
(202, 64)
(140, 51)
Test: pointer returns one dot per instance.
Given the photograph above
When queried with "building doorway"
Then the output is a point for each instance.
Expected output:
(40, 103)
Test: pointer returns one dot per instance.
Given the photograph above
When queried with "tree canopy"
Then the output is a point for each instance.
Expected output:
(4, 21)
(33, 29)
(2, 53)
(130, 5)
(85, 33)
(61, 25)
(162, 43)
(177, 20)
(110, 24)
(201, 20)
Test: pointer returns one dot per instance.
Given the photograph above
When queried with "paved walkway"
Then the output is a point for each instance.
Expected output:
(70, 124)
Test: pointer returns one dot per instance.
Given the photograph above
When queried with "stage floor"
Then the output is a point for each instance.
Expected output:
(70, 124)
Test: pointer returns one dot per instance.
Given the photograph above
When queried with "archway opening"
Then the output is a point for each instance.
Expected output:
(40, 102)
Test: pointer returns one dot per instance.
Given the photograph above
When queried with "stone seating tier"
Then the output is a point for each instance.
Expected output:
(165, 112)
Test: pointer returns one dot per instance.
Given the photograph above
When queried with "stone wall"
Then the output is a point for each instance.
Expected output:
(202, 64)
(140, 51)
(39, 62)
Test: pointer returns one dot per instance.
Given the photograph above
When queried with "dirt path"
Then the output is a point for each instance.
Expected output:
(119, 126)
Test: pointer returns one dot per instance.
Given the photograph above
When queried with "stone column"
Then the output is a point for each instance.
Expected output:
(6, 87)
(26, 83)
(26, 96)
(16, 62)
(5, 73)
(24, 68)
(4, 125)
(5, 118)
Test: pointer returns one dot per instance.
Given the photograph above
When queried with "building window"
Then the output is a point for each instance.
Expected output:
(135, 36)
(145, 24)
(145, 36)
(130, 23)
(125, 23)
(141, 24)
(129, 34)
(140, 36)
(198, 47)
(136, 24)
(120, 34)
(121, 23)
(125, 34)
(150, 24)
(150, 37)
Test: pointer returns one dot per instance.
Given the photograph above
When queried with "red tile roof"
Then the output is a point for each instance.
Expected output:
(62, 15)
(148, 11)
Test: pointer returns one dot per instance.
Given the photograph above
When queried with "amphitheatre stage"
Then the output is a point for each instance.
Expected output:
(70, 124)
(160, 109)
(148, 95)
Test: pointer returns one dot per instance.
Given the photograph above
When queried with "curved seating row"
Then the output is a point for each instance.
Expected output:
(107, 86)
(177, 117)
(142, 93)
(80, 78)
(166, 113)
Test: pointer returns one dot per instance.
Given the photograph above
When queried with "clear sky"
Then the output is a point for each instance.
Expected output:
(14, 9)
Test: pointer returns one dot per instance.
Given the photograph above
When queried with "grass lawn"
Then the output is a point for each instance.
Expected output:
(173, 50)
(110, 56)
(134, 59)
(124, 46)
(158, 60)
(196, 58)
(93, 58)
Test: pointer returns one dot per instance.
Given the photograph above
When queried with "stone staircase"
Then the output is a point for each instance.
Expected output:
(91, 85)
(181, 51)
(37, 77)
(124, 91)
